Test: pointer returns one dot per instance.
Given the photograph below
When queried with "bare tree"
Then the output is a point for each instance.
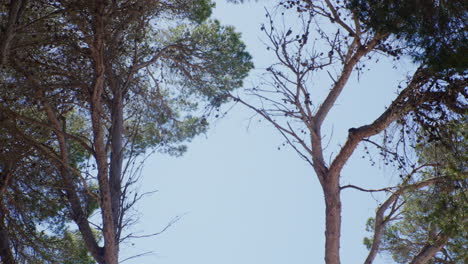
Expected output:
(329, 39)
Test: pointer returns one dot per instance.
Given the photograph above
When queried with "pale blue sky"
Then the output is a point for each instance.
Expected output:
(245, 202)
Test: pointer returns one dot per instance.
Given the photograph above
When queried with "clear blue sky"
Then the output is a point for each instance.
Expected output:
(245, 202)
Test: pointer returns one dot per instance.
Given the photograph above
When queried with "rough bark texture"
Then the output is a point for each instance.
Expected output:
(332, 224)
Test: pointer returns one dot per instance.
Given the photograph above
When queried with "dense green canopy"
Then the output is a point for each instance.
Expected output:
(434, 31)
(86, 88)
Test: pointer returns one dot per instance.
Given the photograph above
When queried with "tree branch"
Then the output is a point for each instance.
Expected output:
(381, 220)
(430, 249)
(402, 105)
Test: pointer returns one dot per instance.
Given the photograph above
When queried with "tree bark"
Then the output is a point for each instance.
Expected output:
(430, 249)
(332, 222)
(115, 173)
(110, 249)
(97, 52)
(332, 229)
(6, 255)
(77, 212)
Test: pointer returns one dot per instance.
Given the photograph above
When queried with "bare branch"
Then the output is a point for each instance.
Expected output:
(343, 79)
(366, 190)
(399, 107)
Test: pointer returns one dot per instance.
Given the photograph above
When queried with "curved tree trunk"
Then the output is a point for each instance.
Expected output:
(430, 249)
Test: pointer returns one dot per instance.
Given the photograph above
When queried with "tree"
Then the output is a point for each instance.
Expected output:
(313, 47)
(10, 21)
(433, 30)
(109, 80)
(32, 210)
(425, 224)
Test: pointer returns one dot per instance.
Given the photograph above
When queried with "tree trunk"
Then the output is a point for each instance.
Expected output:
(332, 223)
(97, 52)
(77, 211)
(110, 243)
(115, 173)
(6, 255)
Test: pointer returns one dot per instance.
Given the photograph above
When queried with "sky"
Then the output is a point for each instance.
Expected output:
(241, 200)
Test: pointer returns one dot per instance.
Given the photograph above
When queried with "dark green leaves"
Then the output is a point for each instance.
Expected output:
(434, 31)
(213, 62)
(201, 10)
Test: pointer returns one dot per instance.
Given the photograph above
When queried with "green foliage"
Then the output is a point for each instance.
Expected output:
(203, 59)
(435, 31)
(202, 63)
(213, 62)
(369, 228)
(33, 209)
(201, 10)
(64, 248)
(440, 208)
(73, 250)
(166, 64)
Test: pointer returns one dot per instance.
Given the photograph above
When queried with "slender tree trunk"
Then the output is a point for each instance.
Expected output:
(110, 248)
(115, 173)
(77, 212)
(332, 223)
(430, 249)
(6, 256)
(110, 243)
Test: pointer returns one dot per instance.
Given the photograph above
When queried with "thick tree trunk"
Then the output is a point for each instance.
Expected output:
(332, 223)
(97, 52)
